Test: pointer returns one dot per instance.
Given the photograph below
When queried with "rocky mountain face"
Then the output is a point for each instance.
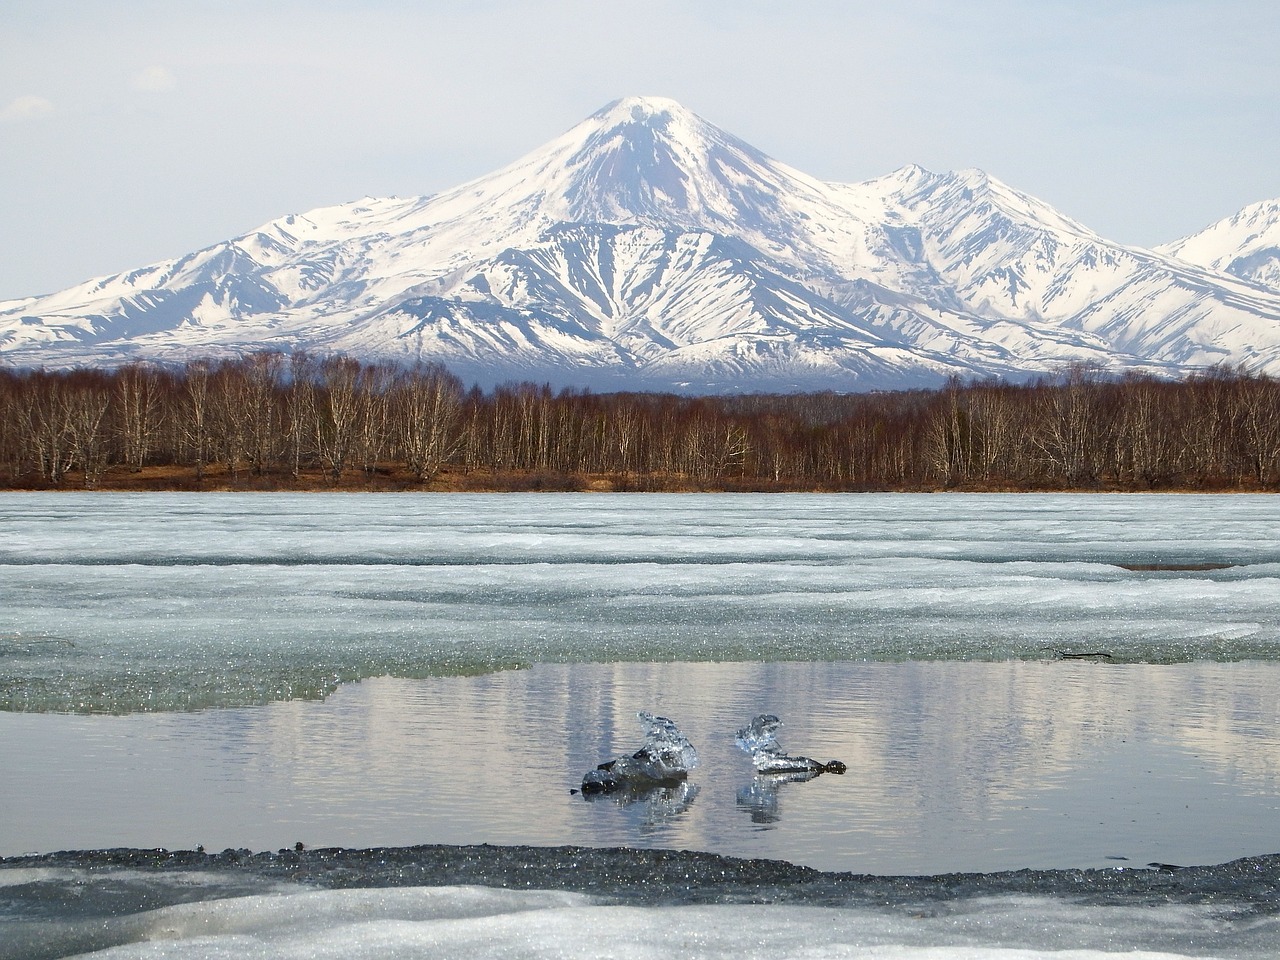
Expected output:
(648, 249)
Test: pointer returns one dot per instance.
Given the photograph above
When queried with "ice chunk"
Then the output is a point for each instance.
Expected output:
(665, 755)
(759, 738)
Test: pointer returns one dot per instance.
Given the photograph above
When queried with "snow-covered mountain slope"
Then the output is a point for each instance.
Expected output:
(1008, 255)
(646, 248)
(1245, 245)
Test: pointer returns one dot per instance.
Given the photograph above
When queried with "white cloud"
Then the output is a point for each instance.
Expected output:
(25, 108)
(154, 79)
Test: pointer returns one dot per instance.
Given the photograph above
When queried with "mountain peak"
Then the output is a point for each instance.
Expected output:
(1245, 245)
(642, 122)
(650, 159)
(642, 109)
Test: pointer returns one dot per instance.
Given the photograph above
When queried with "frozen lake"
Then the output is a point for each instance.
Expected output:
(118, 603)
(357, 671)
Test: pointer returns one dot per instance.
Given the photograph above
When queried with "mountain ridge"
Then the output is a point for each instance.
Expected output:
(1245, 244)
(645, 248)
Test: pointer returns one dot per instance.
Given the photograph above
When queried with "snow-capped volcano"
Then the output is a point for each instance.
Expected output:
(647, 248)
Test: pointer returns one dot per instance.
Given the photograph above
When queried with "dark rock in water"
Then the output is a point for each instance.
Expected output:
(666, 756)
(600, 780)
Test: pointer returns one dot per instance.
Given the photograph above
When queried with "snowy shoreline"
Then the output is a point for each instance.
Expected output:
(483, 901)
(660, 876)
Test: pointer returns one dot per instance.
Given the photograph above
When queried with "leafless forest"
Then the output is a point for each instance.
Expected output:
(272, 421)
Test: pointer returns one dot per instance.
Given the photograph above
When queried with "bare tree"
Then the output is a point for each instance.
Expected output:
(1220, 430)
(263, 374)
(373, 420)
(86, 401)
(228, 396)
(427, 406)
(302, 427)
(1070, 427)
(138, 411)
(194, 413)
(47, 426)
(1256, 413)
(337, 402)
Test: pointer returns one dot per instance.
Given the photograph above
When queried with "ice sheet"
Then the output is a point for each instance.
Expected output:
(463, 922)
(161, 602)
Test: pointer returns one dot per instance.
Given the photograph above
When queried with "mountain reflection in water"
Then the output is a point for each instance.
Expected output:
(951, 765)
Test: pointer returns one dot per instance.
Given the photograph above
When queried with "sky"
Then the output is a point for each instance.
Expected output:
(132, 131)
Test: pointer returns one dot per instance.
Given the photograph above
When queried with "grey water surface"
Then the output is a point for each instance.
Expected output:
(952, 766)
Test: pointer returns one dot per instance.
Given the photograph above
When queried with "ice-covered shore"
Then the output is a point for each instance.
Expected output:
(574, 901)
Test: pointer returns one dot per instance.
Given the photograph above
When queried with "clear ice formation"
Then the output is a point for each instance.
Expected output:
(665, 756)
(759, 738)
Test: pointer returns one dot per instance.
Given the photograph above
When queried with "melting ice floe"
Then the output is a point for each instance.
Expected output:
(665, 758)
(759, 738)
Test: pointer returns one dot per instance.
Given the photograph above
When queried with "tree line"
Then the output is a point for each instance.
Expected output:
(270, 420)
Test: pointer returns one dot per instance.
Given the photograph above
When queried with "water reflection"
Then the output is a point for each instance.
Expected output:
(951, 766)
(759, 798)
(656, 803)
(774, 767)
